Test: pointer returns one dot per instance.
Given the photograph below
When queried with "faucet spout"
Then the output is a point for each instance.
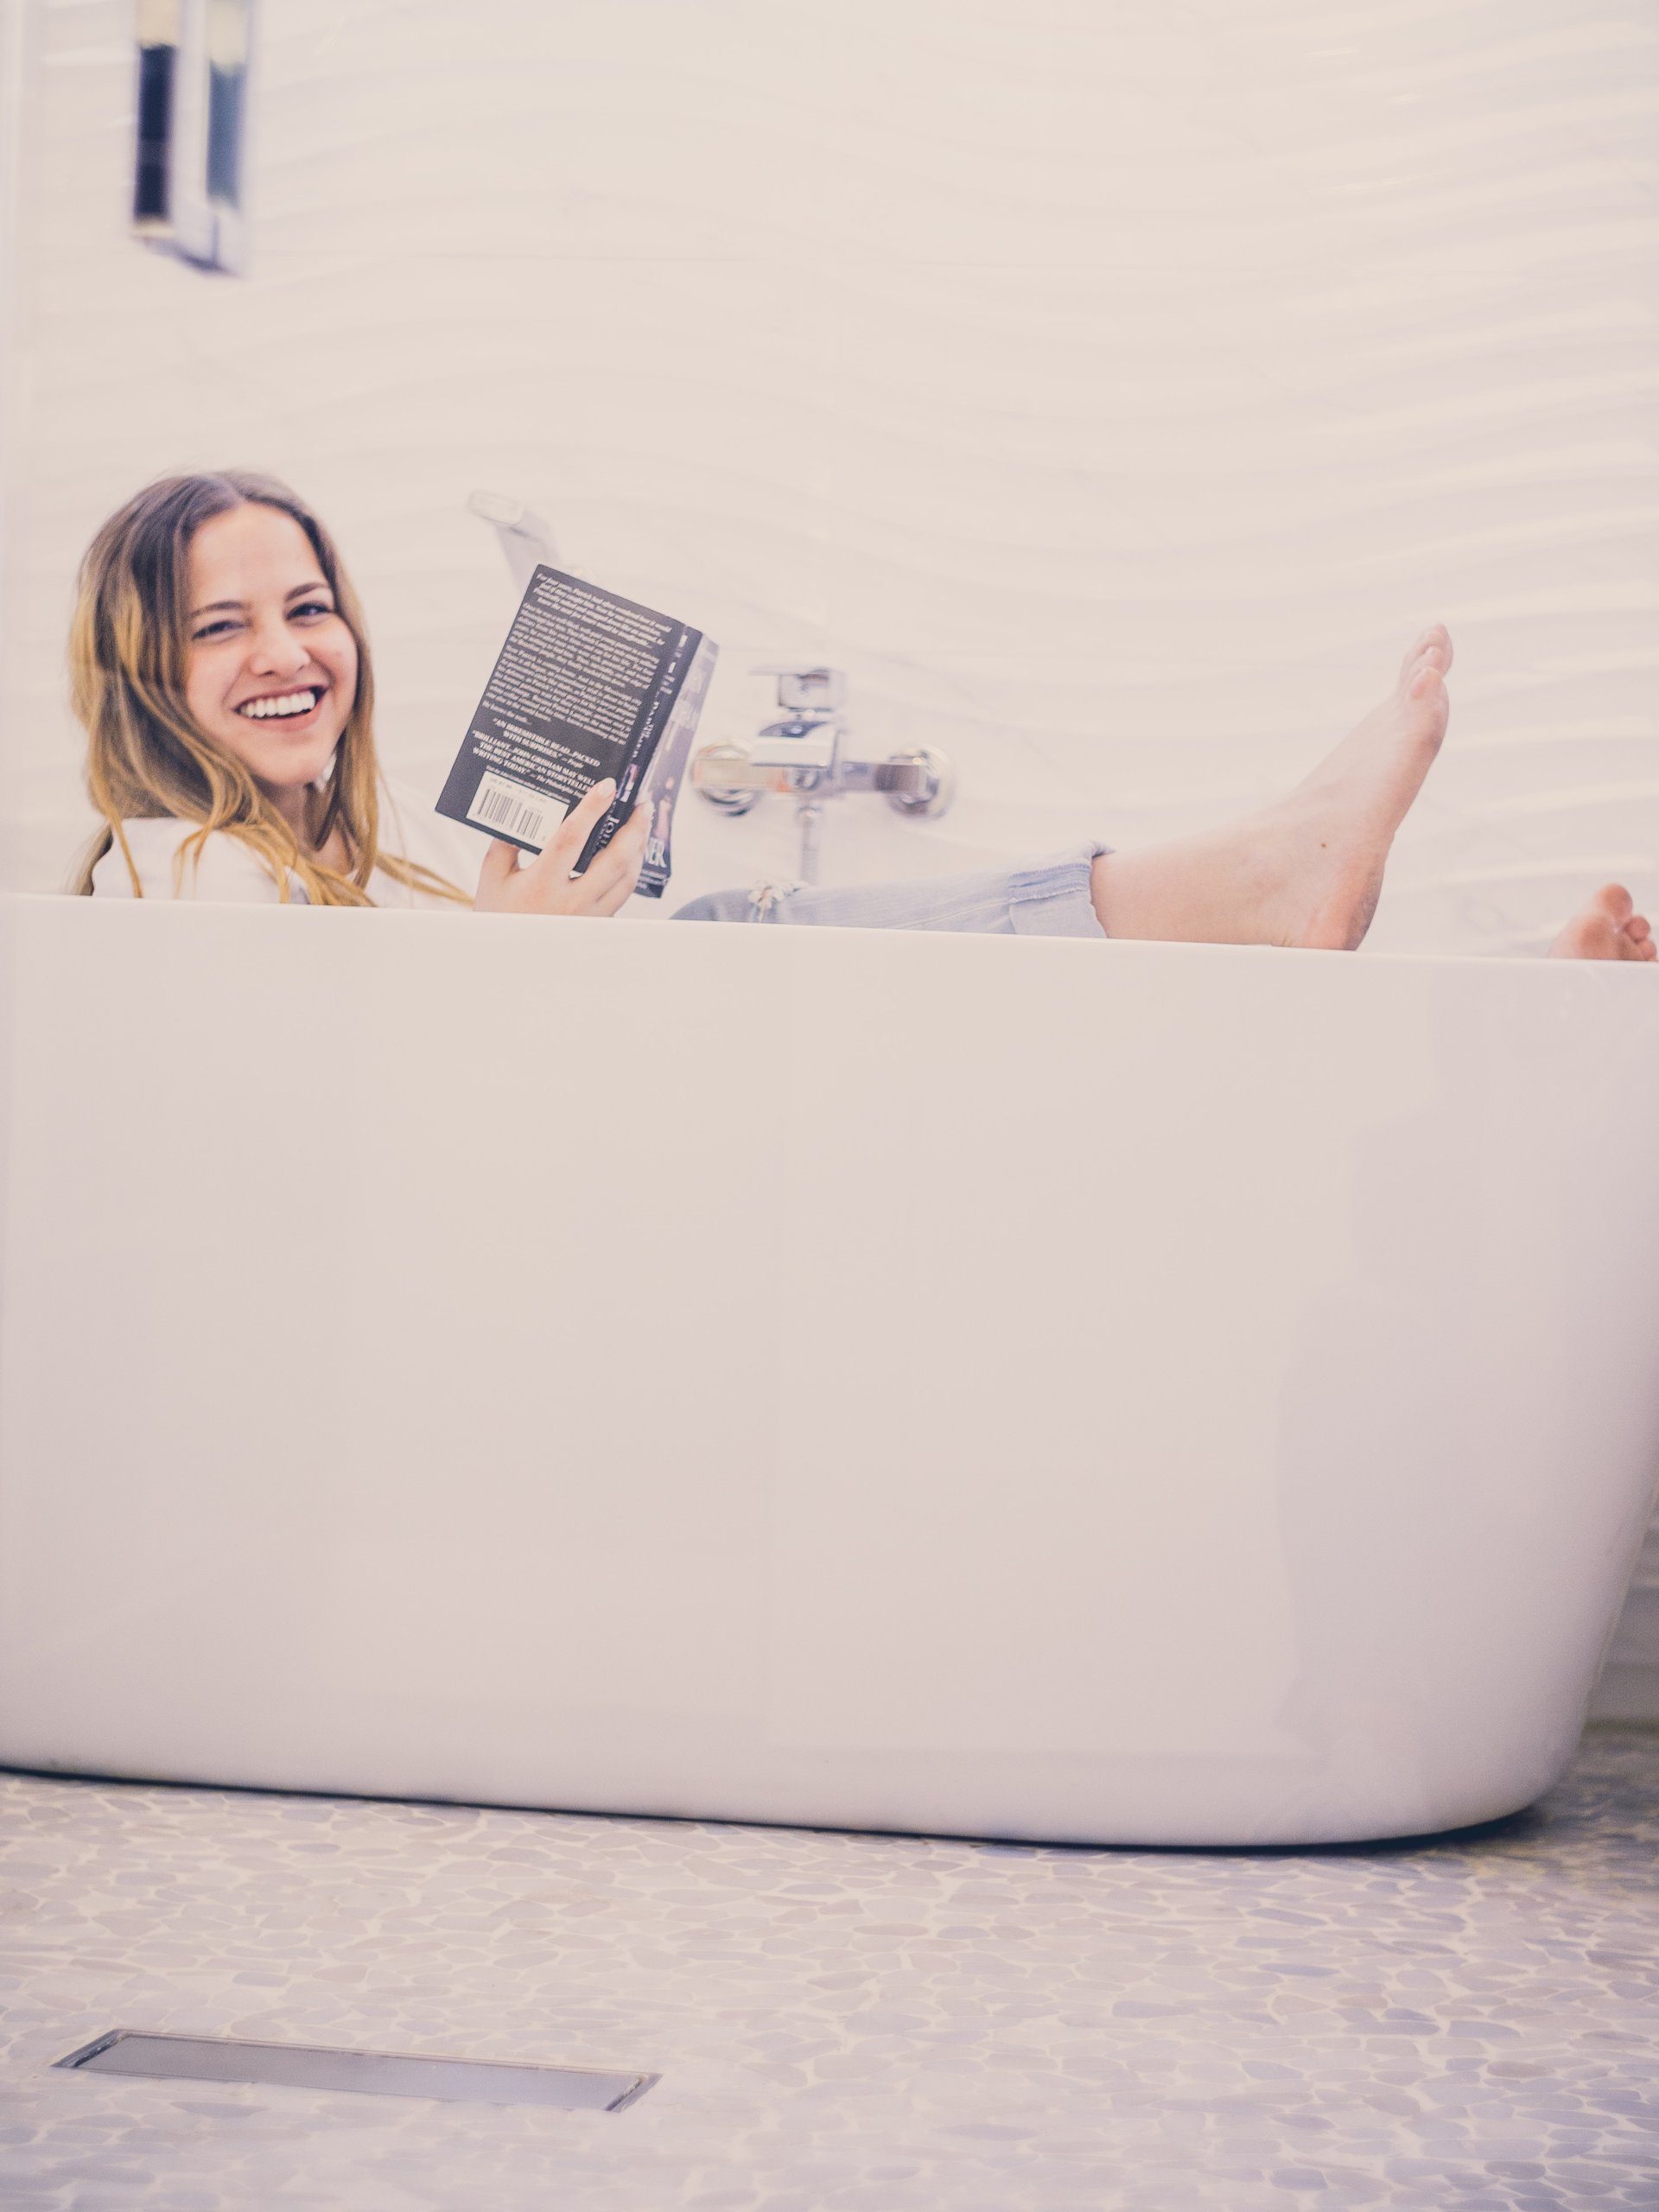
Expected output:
(801, 756)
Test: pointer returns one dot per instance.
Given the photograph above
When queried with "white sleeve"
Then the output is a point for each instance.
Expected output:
(226, 871)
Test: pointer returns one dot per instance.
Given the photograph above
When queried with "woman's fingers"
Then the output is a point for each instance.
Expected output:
(547, 885)
(618, 893)
(500, 865)
(608, 880)
(563, 849)
(623, 857)
(612, 901)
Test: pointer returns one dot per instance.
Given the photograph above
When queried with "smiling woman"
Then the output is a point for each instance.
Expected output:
(222, 672)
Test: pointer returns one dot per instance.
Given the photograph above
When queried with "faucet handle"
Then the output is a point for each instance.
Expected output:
(816, 690)
(922, 782)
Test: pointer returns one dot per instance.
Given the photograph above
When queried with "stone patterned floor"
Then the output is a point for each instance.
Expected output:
(874, 2022)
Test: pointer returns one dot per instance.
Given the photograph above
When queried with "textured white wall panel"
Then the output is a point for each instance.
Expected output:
(1111, 387)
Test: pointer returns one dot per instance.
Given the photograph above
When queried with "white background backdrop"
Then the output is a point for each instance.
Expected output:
(1112, 387)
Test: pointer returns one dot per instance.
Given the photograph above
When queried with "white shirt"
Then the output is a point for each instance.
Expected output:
(230, 871)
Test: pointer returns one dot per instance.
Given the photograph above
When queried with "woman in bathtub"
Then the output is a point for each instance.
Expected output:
(222, 670)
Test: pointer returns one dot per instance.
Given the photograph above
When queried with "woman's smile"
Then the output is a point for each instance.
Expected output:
(273, 666)
(282, 706)
(293, 712)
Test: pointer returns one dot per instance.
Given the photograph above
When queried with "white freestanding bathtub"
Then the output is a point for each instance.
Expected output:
(1002, 1386)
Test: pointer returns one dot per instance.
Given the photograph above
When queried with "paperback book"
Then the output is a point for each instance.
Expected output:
(587, 685)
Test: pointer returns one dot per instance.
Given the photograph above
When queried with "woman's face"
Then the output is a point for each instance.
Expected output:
(270, 667)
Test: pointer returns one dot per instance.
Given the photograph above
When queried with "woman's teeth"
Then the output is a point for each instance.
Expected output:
(290, 703)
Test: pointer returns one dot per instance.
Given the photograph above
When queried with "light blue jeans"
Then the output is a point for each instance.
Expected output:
(1040, 899)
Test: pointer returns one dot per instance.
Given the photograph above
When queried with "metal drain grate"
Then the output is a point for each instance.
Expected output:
(380, 2074)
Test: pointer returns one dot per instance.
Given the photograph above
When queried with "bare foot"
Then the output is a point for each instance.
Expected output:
(1606, 927)
(1308, 870)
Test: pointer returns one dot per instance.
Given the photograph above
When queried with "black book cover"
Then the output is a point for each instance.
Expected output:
(586, 686)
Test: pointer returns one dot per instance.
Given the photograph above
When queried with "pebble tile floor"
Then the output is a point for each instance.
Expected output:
(880, 2022)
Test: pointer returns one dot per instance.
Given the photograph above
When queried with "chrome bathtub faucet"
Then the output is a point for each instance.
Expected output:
(801, 755)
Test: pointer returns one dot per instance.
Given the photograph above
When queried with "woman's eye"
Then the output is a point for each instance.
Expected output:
(212, 630)
(313, 607)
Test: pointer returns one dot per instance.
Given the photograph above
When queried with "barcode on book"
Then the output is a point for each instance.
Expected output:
(514, 811)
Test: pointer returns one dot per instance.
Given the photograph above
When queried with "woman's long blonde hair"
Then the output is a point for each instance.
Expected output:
(146, 757)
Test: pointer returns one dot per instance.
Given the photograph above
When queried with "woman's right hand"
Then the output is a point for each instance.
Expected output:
(545, 886)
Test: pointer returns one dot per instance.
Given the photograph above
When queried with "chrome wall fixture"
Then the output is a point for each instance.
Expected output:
(188, 191)
(801, 756)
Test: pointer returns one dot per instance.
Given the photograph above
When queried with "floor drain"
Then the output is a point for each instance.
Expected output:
(381, 2074)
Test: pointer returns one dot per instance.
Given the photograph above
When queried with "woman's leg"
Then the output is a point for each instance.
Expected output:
(1307, 871)
(1050, 897)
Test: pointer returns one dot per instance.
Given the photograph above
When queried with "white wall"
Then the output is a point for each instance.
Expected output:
(1112, 386)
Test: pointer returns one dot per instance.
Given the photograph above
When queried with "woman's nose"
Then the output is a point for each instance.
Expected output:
(276, 651)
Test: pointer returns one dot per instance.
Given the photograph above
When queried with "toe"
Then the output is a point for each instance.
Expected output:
(1607, 927)
(1425, 680)
(1433, 645)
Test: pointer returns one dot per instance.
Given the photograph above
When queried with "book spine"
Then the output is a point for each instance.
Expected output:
(647, 735)
(661, 787)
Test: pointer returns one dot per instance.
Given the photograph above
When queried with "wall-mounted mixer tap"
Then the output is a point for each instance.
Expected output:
(801, 755)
